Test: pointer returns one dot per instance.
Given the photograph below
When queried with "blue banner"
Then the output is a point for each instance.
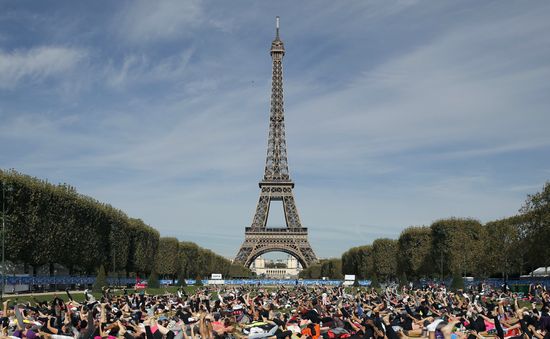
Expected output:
(68, 280)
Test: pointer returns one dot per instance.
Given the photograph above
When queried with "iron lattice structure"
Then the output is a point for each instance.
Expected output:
(276, 185)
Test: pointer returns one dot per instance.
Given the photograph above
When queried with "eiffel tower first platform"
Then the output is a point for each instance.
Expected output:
(276, 185)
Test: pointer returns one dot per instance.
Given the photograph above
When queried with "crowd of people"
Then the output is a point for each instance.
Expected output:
(317, 312)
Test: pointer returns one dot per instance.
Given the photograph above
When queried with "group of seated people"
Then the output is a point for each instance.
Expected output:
(318, 312)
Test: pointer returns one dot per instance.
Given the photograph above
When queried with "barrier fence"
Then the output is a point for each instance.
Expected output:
(68, 280)
(512, 282)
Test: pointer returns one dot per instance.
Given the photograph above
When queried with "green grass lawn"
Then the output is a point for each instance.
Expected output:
(80, 296)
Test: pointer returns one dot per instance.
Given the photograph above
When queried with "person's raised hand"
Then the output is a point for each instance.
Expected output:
(121, 328)
(447, 330)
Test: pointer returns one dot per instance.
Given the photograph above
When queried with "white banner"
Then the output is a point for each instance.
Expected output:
(216, 282)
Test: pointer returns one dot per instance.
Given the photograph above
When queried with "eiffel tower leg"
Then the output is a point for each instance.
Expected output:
(245, 251)
(291, 212)
(307, 252)
(262, 211)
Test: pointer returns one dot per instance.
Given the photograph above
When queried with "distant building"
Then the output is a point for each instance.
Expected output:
(259, 263)
(265, 268)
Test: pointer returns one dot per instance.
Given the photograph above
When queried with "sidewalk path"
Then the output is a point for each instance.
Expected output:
(15, 295)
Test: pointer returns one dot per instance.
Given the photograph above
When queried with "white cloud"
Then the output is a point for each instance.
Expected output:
(144, 21)
(37, 64)
(141, 69)
(452, 91)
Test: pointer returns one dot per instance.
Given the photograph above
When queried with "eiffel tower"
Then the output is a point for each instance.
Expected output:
(276, 186)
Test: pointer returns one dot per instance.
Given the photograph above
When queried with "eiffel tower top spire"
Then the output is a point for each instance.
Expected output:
(277, 45)
(277, 27)
(276, 166)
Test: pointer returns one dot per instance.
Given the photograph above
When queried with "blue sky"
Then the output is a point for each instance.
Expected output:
(398, 113)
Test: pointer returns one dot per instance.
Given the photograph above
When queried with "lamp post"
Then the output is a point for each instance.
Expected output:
(441, 264)
(3, 243)
(3, 240)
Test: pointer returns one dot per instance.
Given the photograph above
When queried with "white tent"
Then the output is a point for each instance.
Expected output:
(539, 272)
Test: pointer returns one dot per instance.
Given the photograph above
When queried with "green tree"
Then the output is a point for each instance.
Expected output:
(403, 280)
(358, 261)
(22, 219)
(374, 282)
(331, 268)
(503, 248)
(384, 252)
(100, 280)
(168, 263)
(312, 272)
(53, 224)
(238, 270)
(189, 253)
(153, 280)
(457, 246)
(118, 238)
(275, 265)
(458, 281)
(143, 247)
(536, 226)
(181, 279)
(415, 248)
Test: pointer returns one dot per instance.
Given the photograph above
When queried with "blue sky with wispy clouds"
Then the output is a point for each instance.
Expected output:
(398, 112)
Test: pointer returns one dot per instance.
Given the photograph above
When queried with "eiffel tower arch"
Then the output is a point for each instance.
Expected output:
(276, 185)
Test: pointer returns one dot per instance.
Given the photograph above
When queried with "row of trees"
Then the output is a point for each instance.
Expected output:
(53, 224)
(180, 260)
(330, 268)
(454, 246)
